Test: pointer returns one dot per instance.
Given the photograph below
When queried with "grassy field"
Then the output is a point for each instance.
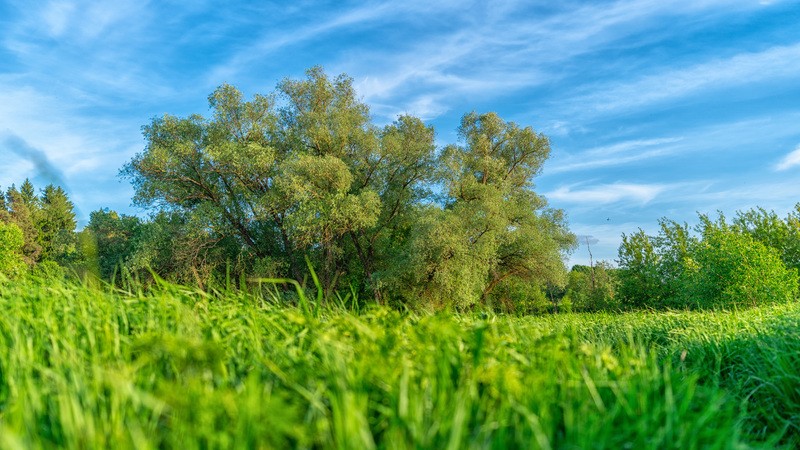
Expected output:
(87, 368)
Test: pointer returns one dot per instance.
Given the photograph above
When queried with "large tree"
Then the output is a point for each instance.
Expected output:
(312, 176)
(304, 172)
(493, 228)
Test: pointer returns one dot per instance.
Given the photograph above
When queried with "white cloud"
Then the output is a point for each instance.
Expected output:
(616, 154)
(780, 62)
(722, 141)
(56, 17)
(273, 41)
(79, 21)
(790, 160)
(608, 193)
(468, 50)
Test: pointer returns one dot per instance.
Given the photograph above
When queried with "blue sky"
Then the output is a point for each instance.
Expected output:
(654, 108)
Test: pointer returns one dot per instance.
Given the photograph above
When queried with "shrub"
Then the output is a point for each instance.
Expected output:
(639, 282)
(11, 242)
(724, 266)
(49, 271)
(593, 288)
(520, 297)
(736, 270)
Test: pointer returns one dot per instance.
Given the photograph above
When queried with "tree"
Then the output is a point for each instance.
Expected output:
(27, 194)
(400, 170)
(56, 224)
(114, 238)
(5, 215)
(304, 173)
(23, 208)
(292, 181)
(492, 228)
(593, 288)
(639, 261)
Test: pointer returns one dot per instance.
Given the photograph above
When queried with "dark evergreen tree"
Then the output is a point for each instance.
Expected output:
(56, 224)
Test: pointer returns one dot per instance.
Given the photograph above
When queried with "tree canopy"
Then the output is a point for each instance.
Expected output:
(47, 222)
(303, 172)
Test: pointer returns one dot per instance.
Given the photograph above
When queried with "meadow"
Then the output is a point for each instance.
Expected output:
(95, 367)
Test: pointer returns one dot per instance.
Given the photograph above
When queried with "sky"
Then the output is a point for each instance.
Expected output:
(653, 108)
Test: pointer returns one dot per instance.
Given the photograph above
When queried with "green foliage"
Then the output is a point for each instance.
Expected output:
(723, 266)
(114, 239)
(493, 228)
(593, 288)
(736, 270)
(47, 223)
(304, 173)
(169, 245)
(523, 298)
(56, 224)
(49, 271)
(769, 229)
(319, 186)
(639, 261)
(12, 240)
(23, 208)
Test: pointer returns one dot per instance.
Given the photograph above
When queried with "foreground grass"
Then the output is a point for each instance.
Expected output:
(83, 368)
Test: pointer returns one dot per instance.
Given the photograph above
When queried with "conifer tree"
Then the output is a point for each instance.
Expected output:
(23, 209)
(56, 224)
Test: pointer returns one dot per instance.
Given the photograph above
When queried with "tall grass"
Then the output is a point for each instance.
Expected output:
(84, 367)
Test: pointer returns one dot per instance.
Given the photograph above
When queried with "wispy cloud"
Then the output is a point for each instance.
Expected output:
(727, 196)
(607, 193)
(708, 142)
(70, 19)
(775, 63)
(474, 61)
(790, 160)
(274, 40)
(616, 154)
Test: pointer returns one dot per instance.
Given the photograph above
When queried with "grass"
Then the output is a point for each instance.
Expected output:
(82, 367)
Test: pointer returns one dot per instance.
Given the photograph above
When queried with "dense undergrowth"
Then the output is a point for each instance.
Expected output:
(84, 367)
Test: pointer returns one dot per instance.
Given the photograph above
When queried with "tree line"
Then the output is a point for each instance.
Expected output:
(301, 180)
(750, 260)
(36, 230)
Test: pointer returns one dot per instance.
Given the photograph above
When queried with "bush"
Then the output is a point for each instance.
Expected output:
(49, 271)
(736, 270)
(725, 266)
(593, 288)
(11, 242)
(519, 297)
(769, 229)
(639, 261)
